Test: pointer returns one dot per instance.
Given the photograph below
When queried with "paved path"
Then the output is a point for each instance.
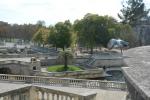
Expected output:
(101, 94)
(5, 87)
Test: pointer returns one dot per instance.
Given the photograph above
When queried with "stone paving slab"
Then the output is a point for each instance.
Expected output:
(5, 87)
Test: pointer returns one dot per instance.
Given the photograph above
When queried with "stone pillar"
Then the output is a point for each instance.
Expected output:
(57, 96)
(53, 96)
(42, 95)
(71, 98)
(5, 98)
(12, 97)
(33, 94)
(20, 97)
(62, 97)
(47, 96)
(66, 97)
(9, 97)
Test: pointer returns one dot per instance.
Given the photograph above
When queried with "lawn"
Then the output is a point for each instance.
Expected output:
(60, 68)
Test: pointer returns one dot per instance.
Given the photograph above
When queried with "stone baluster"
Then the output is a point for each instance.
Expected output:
(62, 97)
(47, 96)
(43, 95)
(5, 98)
(71, 98)
(53, 95)
(8, 97)
(20, 97)
(57, 96)
(66, 97)
(12, 97)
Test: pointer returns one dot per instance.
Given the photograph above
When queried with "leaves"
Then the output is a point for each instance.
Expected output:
(133, 11)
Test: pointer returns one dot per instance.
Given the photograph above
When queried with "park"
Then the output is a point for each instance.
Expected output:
(93, 57)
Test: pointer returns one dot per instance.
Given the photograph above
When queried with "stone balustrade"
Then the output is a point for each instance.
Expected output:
(27, 55)
(18, 94)
(67, 82)
(14, 61)
(40, 93)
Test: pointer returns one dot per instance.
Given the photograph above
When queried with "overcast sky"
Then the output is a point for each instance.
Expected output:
(52, 11)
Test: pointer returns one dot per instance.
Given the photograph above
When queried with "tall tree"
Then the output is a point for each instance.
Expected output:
(41, 36)
(93, 30)
(62, 34)
(133, 11)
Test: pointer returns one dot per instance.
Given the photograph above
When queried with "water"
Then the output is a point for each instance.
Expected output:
(115, 76)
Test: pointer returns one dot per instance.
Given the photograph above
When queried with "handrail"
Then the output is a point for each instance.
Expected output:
(67, 82)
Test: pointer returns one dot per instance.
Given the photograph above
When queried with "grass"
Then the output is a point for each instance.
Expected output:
(60, 68)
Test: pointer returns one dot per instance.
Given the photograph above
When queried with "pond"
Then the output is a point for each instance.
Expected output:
(115, 76)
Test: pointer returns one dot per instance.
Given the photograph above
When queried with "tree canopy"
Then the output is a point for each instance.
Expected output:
(93, 30)
(41, 36)
(133, 11)
(60, 34)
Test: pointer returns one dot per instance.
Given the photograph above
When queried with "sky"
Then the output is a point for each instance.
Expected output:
(53, 11)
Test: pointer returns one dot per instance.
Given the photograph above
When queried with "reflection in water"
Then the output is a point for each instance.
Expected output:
(115, 76)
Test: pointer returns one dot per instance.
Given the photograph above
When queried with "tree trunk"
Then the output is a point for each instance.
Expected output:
(65, 62)
(63, 48)
(91, 52)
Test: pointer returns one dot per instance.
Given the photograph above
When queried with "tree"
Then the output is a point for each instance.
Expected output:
(133, 11)
(93, 30)
(40, 23)
(41, 36)
(52, 36)
(65, 56)
(125, 32)
(62, 35)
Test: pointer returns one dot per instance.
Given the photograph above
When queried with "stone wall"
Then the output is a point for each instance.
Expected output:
(133, 93)
(137, 72)
(20, 67)
(84, 74)
(17, 68)
(108, 63)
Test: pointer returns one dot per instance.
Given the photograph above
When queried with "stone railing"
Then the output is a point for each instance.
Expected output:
(42, 93)
(14, 61)
(52, 94)
(67, 82)
(27, 55)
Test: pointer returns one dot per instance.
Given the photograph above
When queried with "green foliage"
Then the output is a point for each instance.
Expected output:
(65, 57)
(60, 68)
(52, 36)
(133, 11)
(41, 36)
(60, 35)
(93, 30)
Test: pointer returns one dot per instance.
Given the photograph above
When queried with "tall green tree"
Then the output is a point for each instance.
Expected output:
(125, 32)
(65, 56)
(62, 34)
(93, 30)
(41, 36)
(133, 11)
